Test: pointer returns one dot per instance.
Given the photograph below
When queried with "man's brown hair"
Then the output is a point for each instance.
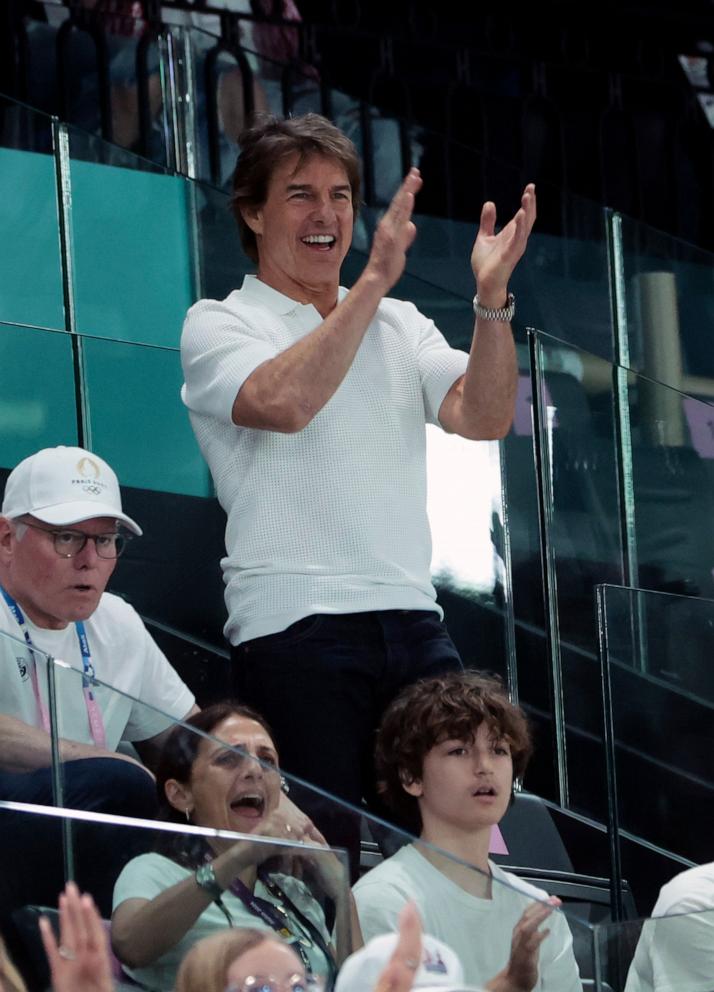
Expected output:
(271, 140)
(447, 707)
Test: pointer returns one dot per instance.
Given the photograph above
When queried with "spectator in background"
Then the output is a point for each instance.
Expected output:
(675, 952)
(121, 24)
(229, 93)
(309, 403)
(62, 528)
(447, 752)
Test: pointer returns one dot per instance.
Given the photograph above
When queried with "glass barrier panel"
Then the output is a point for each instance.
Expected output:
(562, 283)
(131, 243)
(674, 951)
(37, 391)
(582, 543)
(669, 288)
(615, 945)
(523, 584)
(222, 769)
(218, 88)
(663, 636)
(672, 479)
(31, 285)
(125, 93)
(141, 873)
(129, 866)
(136, 388)
(655, 656)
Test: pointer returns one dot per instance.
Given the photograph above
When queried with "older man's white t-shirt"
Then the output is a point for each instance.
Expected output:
(146, 694)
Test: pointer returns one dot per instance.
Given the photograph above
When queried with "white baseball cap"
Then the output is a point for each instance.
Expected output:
(64, 486)
(440, 968)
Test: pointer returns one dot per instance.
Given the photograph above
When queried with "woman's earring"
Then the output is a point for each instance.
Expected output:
(284, 785)
(187, 811)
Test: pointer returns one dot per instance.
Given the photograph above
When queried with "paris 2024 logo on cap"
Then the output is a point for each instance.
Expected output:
(90, 482)
(433, 963)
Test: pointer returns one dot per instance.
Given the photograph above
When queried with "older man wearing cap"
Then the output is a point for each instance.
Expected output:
(62, 529)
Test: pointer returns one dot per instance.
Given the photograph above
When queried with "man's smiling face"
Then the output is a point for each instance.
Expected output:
(304, 228)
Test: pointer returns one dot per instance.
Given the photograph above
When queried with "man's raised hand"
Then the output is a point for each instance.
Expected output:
(395, 233)
(495, 256)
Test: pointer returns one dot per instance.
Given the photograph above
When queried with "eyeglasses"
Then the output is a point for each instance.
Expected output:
(69, 543)
(266, 983)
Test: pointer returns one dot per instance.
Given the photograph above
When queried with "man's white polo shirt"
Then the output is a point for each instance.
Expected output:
(331, 519)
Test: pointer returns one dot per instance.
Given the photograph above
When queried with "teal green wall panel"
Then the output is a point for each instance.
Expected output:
(131, 252)
(30, 271)
(137, 421)
(37, 396)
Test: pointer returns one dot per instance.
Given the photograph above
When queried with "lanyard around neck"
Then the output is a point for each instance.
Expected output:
(94, 714)
(275, 916)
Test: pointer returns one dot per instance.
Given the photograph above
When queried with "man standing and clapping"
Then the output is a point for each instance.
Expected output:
(309, 403)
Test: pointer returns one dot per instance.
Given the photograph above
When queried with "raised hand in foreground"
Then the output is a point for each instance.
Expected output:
(404, 963)
(80, 962)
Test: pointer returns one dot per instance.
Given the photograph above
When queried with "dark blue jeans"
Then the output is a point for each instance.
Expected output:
(323, 685)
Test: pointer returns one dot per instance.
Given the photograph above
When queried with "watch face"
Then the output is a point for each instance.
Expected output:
(206, 879)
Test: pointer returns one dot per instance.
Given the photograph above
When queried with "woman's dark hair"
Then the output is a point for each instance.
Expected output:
(267, 144)
(432, 710)
(176, 761)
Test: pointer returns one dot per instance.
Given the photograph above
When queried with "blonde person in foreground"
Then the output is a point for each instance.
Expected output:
(447, 750)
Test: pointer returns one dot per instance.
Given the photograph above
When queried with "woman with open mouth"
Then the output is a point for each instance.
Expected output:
(193, 886)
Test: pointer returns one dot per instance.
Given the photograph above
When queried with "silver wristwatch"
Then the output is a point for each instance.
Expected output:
(206, 879)
(496, 313)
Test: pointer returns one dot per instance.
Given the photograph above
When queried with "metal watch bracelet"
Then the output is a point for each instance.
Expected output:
(504, 314)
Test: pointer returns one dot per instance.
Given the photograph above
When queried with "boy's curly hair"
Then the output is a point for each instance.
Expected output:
(446, 707)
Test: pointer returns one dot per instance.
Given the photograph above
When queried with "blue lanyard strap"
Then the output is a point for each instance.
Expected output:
(17, 613)
(87, 666)
(94, 715)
